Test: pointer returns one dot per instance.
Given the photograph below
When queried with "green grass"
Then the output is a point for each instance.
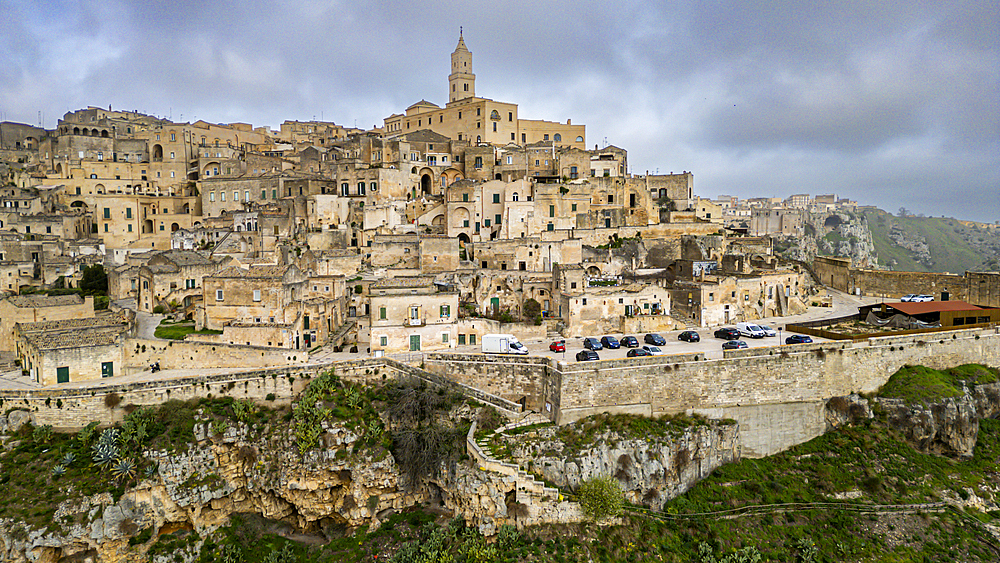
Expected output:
(177, 331)
(949, 250)
(919, 384)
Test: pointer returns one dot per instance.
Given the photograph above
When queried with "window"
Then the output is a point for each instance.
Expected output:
(415, 312)
(222, 196)
(552, 211)
(494, 127)
(218, 295)
(545, 137)
(465, 197)
(256, 295)
(381, 313)
(496, 198)
(211, 196)
(383, 340)
(461, 340)
(236, 196)
(711, 297)
(479, 111)
(263, 194)
(173, 137)
(246, 195)
(479, 162)
(486, 223)
(444, 337)
(514, 197)
(171, 155)
(472, 339)
(579, 139)
(557, 138)
(496, 219)
(573, 173)
(550, 227)
(584, 300)
(274, 194)
(130, 228)
(189, 284)
(445, 311)
(105, 227)
(465, 223)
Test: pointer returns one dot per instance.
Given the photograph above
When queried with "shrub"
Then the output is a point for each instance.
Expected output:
(112, 400)
(601, 497)
(270, 397)
(158, 310)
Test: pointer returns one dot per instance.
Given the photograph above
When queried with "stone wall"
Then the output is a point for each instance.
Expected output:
(138, 354)
(525, 379)
(897, 284)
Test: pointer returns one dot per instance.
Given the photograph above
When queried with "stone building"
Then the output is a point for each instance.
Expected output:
(479, 120)
(72, 350)
(172, 277)
(412, 313)
(36, 308)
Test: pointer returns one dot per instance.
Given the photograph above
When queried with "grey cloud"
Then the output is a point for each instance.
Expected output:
(871, 100)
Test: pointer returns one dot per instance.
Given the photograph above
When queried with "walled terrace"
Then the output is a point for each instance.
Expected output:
(776, 394)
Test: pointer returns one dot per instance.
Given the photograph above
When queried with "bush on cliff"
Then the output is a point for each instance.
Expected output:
(919, 384)
(601, 497)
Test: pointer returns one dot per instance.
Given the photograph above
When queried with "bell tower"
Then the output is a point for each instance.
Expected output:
(461, 81)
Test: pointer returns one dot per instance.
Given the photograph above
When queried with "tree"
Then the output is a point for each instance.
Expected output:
(95, 280)
(601, 497)
(532, 309)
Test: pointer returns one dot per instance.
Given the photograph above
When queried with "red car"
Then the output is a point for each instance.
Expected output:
(558, 346)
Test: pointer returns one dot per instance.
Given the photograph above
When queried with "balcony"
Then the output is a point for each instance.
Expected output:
(416, 322)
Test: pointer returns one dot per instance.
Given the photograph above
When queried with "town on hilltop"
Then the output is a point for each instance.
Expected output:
(445, 224)
(326, 328)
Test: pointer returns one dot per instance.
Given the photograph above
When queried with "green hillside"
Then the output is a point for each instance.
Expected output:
(951, 245)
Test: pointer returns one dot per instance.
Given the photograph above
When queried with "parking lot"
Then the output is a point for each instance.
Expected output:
(709, 345)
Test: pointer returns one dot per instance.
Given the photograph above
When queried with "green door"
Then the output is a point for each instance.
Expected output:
(107, 369)
(414, 342)
(495, 304)
(62, 375)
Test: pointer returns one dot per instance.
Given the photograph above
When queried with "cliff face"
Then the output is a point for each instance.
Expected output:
(946, 427)
(651, 470)
(216, 477)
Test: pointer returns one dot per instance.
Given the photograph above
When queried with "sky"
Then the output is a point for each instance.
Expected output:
(895, 104)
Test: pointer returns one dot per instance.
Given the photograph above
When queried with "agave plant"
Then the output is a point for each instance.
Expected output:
(124, 469)
(59, 470)
(151, 470)
(105, 453)
(68, 459)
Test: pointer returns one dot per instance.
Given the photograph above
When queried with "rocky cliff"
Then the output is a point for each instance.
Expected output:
(652, 468)
(947, 426)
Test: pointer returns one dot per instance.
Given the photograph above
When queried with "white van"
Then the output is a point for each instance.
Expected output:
(750, 330)
(502, 344)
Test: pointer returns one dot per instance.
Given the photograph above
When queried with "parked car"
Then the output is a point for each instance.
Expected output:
(610, 342)
(558, 346)
(733, 345)
(922, 298)
(798, 339)
(727, 333)
(750, 330)
(587, 356)
(908, 297)
(689, 336)
(592, 344)
(638, 352)
(654, 339)
(630, 342)
(768, 331)
(654, 351)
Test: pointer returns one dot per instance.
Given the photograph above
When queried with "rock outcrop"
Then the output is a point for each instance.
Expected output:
(947, 427)
(652, 470)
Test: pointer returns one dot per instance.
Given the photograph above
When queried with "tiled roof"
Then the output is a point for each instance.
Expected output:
(74, 324)
(253, 272)
(35, 301)
(78, 338)
(403, 282)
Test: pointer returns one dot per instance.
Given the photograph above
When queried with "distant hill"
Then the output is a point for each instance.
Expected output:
(933, 244)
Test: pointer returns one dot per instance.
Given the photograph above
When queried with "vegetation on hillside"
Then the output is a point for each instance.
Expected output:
(952, 245)
(919, 384)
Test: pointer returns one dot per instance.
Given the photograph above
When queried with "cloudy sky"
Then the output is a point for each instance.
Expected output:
(888, 103)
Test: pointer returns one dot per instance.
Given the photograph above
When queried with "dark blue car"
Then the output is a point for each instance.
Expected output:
(655, 340)
(592, 344)
(798, 339)
(610, 342)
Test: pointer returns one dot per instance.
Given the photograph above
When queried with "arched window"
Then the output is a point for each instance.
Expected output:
(557, 137)
(579, 139)
(495, 115)
(514, 197)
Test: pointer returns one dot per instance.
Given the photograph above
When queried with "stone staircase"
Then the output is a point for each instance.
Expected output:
(530, 491)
